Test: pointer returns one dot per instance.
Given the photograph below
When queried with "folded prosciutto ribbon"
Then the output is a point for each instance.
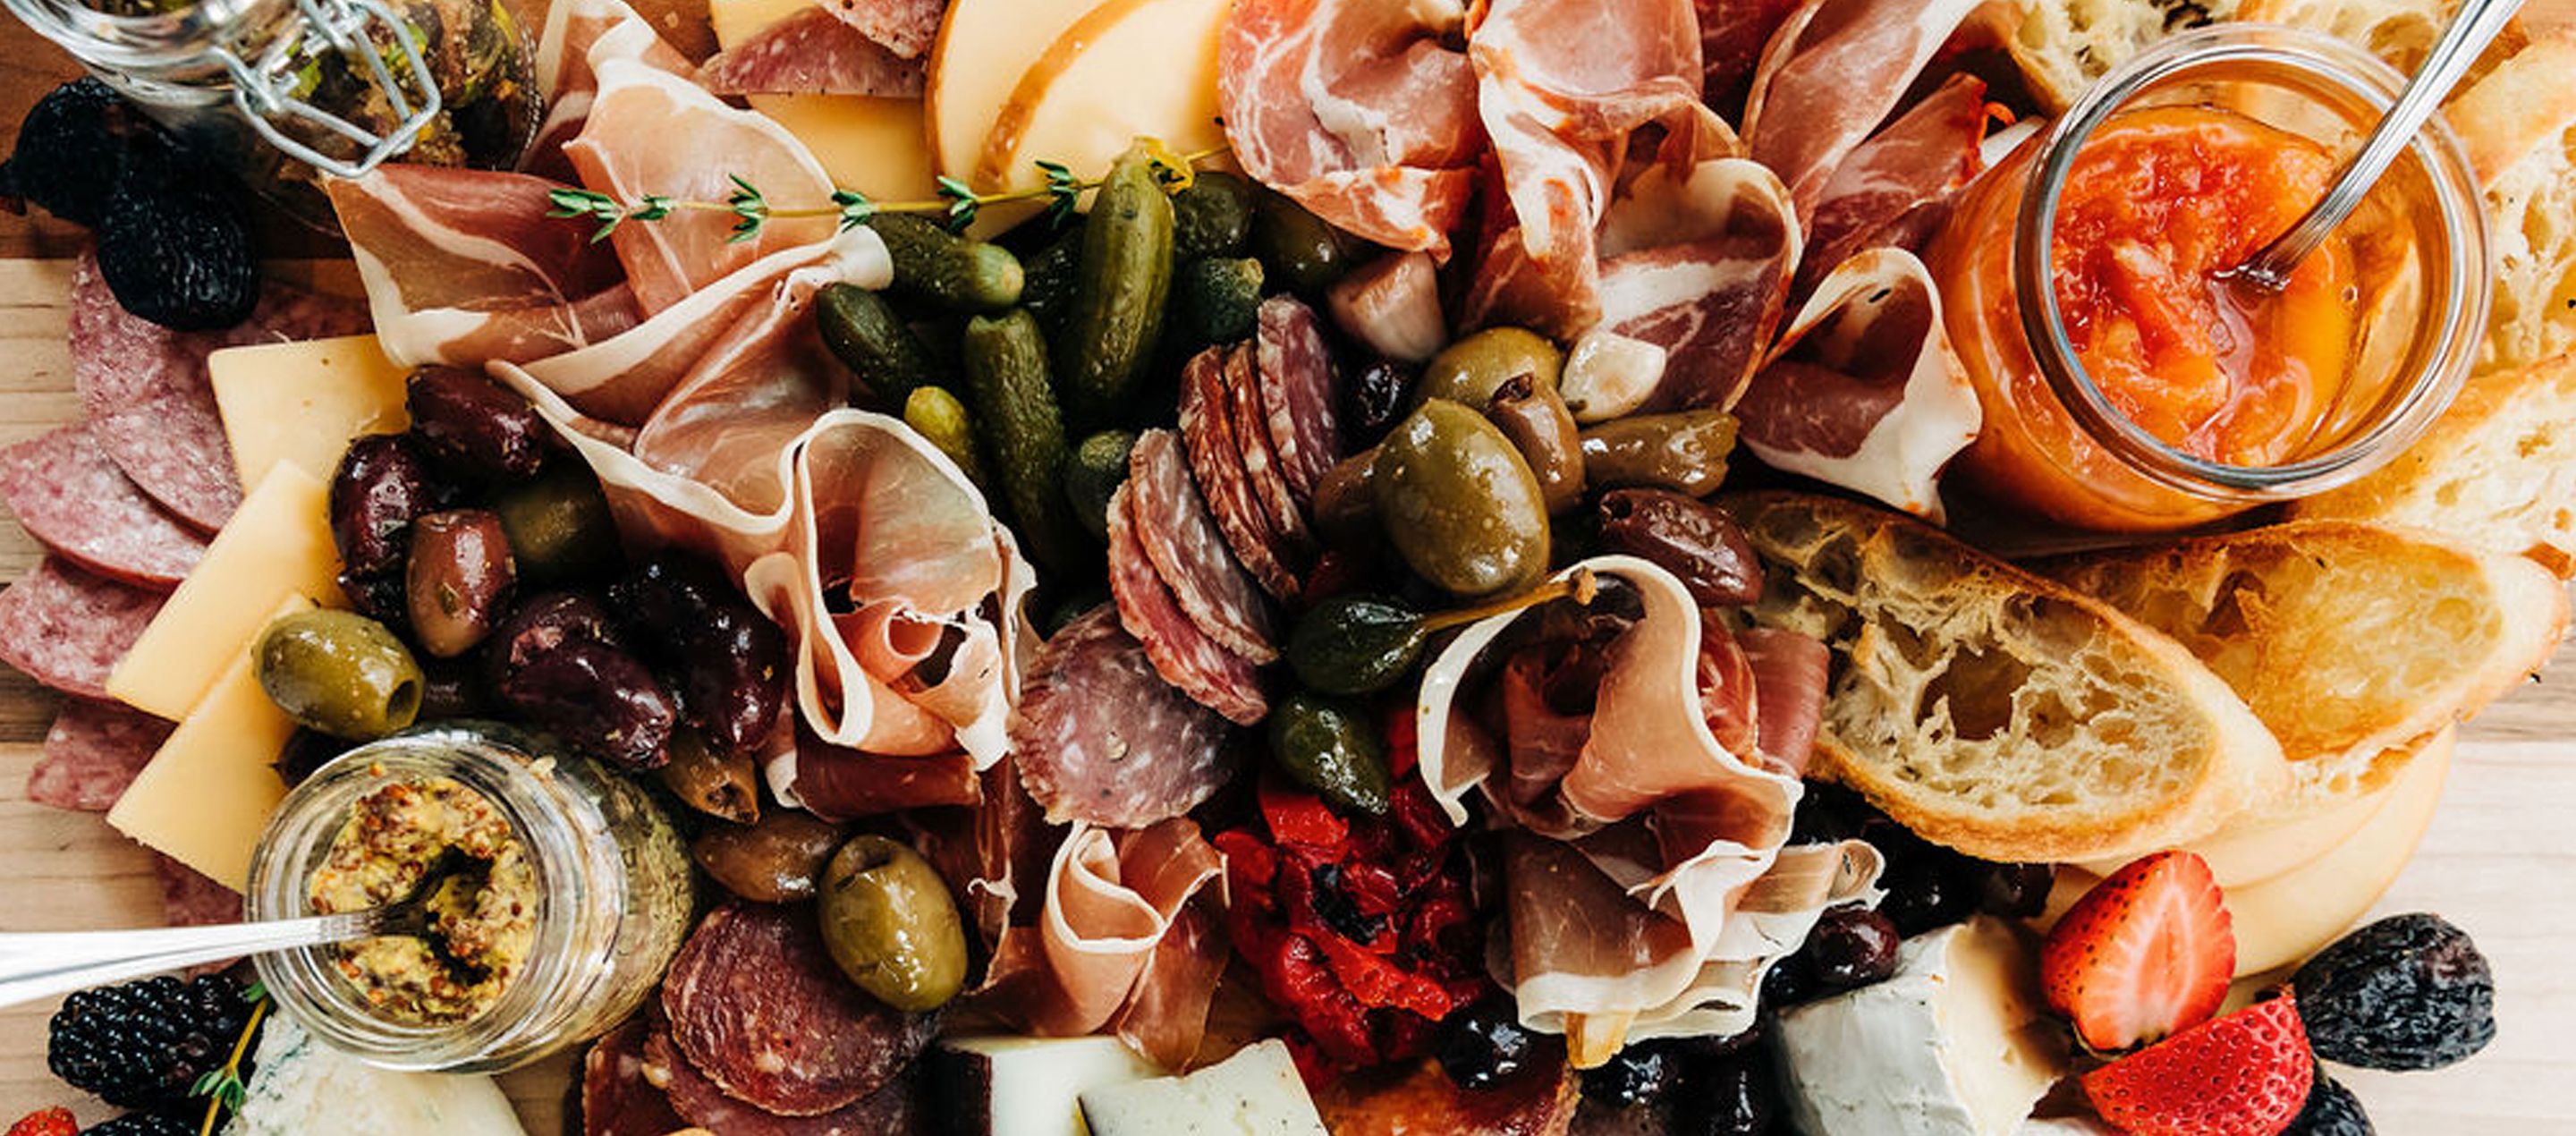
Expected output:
(1648, 883)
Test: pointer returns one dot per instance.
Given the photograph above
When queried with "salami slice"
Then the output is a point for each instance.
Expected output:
(1102, 738)
(190, 899)
(812, 53)
(904, 27)
(757, 1005)
(1297, 388)
(1189, 553)
(68, 629)
(894, 1110)
(72, 497)
(91, 755)
(618, 1098)
(1260, 463)
(835, 783)
(149, 400)
(1199, 666)
(1207, 438)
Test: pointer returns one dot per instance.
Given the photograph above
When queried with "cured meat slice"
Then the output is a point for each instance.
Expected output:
(1789, 673)
(190, 899)
(1186, 657)
(68, 629)
(1830, 76)
(812, 53)
(92, 753)
(1731, 36)
(618, 1098)
(1297, 387)
(1261, 467)
(1895, 189)
(1189, 553)
(149, 402)
(904, 27)
(836, 783)
(894, 1110)
(1102, 738)
(757, 1005)
(1207, 438)
(72, 497)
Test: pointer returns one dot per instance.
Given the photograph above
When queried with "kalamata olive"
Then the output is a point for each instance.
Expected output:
(730, 660)
(1296, 247)
(1537, 423)
(305, 751)
(2016, 891)
(1484, 1044)
(1355, 644)
(1458, 502)
(1375, 399)
(559, 525)
(384, 597)
(461, 575)
(1788, 983)
(890, 923)
(383, 483)
(1851, 947)
(475, 423)
(1332, 748)
(1732, 1096)
(451, 688)
(338, 672)
(777, 860)
(1690, 538)
(1640, 1074)
(1472, 369)
(725, 786)
(1683, 451)
(598, 699)
(1828, 812)
(544, 621)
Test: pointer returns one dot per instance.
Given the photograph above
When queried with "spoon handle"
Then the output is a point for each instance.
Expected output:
(37, 965)
(2471, 30)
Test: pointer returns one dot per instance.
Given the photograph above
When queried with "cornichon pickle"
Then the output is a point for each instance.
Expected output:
(1213, 217)
(1126, 277)
(1458, 502)
(1014, 405)
(1298, 248)
(1218, 300)
(1355, 644)
(1684, 451)
(1330, 747)
(338, 672)
(1099, 468)
(937, 415)
(870, 338)
(944, 268)
(1054, 274)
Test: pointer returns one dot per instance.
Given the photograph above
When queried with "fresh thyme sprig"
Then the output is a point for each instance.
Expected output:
(223, 1088)
(956, 206)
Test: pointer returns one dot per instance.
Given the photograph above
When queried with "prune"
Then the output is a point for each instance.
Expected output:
(174, 246)
(459, 577)
(72, 147)
(1690, 538)
(2331, 1111)
(2015, 891)
(1641, 1074)
(2407, 992)
(596, 698)
(383, 483)
(1852, 947)
(1377, 398)
(1733, 1096)
(475, 423)
(730, 660)
(1484, 1044)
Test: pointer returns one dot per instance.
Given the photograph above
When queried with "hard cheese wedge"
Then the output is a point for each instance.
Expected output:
(208, 792)
(277, 546)
(1029, 1086)
(984, 47)
(1129, 68)
(1253, 1093)
(304, 402)
(1956, 1043)
(872, 146)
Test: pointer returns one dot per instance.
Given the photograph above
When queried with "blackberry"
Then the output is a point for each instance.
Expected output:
(2330, 1111)
(175, 246)
(141, 1124)
(2408, 992)
(142, 1045)
(72, 147)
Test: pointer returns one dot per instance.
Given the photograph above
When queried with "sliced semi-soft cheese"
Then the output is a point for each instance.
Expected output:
(1956, 1043)
(1254, 1093)
(278, 545)
(210, 788)
(984, 47)
(869, 145)
(302, 1087)
(1127, 68)
(1029, 1086)
(304, 402)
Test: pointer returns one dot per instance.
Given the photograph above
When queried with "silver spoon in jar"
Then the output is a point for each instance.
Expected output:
(42, 964)
(2476, 25)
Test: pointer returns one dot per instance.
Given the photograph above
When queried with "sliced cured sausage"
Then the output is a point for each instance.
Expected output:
(1102, 738)
(91, 755)
(812, 53)
(1297, 393)
(757, 1005)
(904, 27)
(68, 629)
(1207, 438)
(1261, 466)
(72, 497)
(838, 783)
(1173, 525)
(191, 899)
(617, 1097)
(1186, 657)
(894, 1110)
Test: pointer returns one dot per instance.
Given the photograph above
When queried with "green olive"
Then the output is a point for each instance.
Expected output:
(891, 925)
(1330, 746)
(340, 673)
(559, 525)
(1459, 503)
(1472, 369)
(1684, 451)
(1355, 644)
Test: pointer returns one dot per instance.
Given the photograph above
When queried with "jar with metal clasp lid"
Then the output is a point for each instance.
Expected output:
(285, 92)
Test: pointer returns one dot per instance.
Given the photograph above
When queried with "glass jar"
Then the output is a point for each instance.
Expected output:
(2056, 445)
(613, 885)
(282, 92)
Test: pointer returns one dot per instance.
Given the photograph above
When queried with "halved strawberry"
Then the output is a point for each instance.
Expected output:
(2246, 1074)
(2144, 954)
(46, 1122)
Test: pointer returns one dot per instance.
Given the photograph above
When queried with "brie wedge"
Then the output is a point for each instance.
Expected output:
(1028, 1086)
(1253, 1093)
(1954, 1044)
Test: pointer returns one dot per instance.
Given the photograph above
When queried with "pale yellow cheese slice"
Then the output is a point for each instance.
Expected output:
(1128, 68)
(868, 145)
(209, 791)
(984, 48)
(304, 402)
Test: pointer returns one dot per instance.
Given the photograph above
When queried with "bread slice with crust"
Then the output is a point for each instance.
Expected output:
(2062, 46)
(1995, 711)
(2354, 643)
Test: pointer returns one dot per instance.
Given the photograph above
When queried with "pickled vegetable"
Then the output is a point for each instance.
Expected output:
(1006, 381)
(939, 417)
(1054, 274)
(1685, 451)
(870, 338)
(1218, 300)
(1213, 217)
(1125, 280)
(779, 859)
(1458, 502)
(1332, 748)
(946, 269)
(338, 672)
(1356, 644)
(1472, 369)
(890, 924)
(1099, 468)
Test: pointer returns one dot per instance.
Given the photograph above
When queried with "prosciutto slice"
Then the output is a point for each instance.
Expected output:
(1895, 189)
(1712, 297)
(578, 34)
(1358, 109)
(1656, 892)
(1831, 75)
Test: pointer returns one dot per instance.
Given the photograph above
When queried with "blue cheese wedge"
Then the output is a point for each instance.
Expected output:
(1956, 1043)
(1029, 1086)
(303, 1087)
(1253, 1093)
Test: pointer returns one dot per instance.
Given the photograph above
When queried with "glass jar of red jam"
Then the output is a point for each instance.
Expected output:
(2128, 383)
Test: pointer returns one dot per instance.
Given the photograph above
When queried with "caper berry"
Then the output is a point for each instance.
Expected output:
(1355, 644)
(1332, 748)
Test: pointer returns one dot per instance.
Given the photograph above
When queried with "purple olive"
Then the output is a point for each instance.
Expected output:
(596, 698)
(1688, 537)
(476, 424)
(383, 483)
(728, 660)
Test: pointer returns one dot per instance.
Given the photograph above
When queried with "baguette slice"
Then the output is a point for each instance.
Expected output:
(1994, 711)
(2353, 643)
(2062, 46)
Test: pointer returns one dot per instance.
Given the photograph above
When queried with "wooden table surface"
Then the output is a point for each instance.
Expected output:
(2499, 860)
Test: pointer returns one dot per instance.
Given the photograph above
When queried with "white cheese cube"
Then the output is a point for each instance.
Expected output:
(1029, 1086)
(1253, 1093)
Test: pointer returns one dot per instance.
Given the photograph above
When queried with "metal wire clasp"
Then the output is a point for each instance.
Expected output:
(266, 91)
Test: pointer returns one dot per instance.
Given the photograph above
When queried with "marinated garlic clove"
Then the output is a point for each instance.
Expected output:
(1393, 305)
(1609, 375)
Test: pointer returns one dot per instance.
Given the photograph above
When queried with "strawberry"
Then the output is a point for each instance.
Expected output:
(2144, 954)
(2246, 1074)
(46, 1122)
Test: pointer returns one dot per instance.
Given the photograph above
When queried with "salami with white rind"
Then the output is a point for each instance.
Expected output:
(1102, 738)
(1207, 438)
(1297, 387)
(1199, 666)
(73, 499)
(91, 755)
(1178, 535)
(1261, 467)
(758, 1006)
(68, 629)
